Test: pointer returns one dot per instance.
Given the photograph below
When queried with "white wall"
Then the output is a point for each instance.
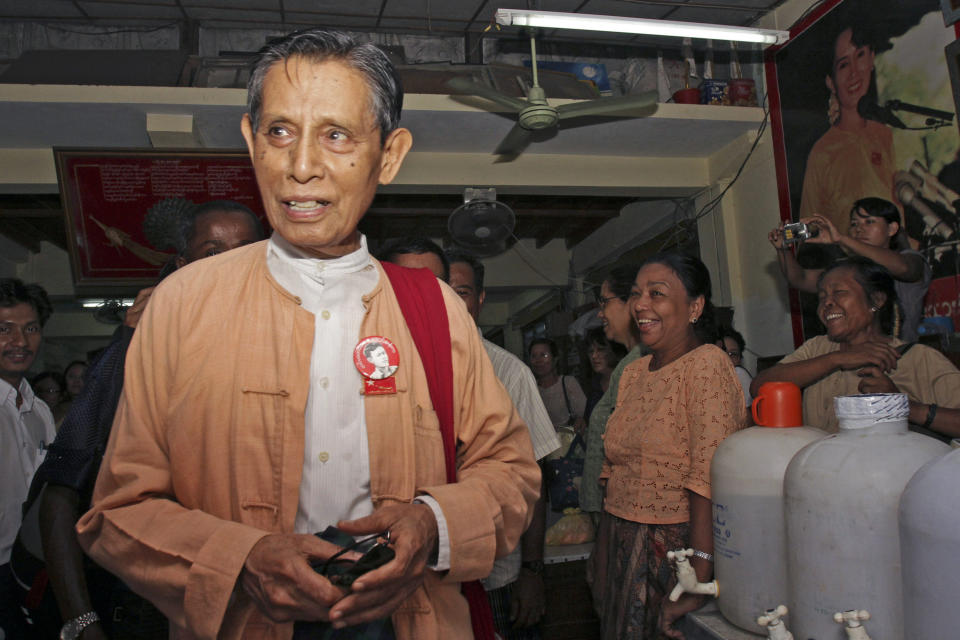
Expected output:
(637, 223)
(733, 239)
(71, 331)
(786, 14)
(526, 270)
(50, 268)
(11, 255)
(733, 243)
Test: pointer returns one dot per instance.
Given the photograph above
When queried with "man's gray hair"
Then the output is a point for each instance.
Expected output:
(318, 45)
(370, 347)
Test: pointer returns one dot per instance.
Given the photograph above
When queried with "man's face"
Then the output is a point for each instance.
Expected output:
(379, 358)
(461, 280)
(216, 232)
(20, 337)
(420, 261)
(317, 154)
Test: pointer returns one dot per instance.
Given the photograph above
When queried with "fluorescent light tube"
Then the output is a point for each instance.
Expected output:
(93, 303)
(587, 22)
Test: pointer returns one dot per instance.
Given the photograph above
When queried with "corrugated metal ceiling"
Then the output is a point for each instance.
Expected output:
(422, 17)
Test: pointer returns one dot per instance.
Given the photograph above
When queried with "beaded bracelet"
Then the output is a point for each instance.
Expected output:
(703, 554)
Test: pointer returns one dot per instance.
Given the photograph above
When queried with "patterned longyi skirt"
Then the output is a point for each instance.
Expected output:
(630, 576)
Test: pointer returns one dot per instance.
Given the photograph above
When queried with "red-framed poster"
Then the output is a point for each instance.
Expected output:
(120, 206)
(881, 65)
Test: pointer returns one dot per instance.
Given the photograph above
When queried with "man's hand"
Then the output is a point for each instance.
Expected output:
(135, 312)
(375, 595)
(580, 426)
(94, 631)
(278, 577)
(529, 602)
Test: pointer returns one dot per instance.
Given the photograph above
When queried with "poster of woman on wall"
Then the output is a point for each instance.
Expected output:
(862, 106)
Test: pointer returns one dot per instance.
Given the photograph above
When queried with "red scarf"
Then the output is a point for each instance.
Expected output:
(421, 302)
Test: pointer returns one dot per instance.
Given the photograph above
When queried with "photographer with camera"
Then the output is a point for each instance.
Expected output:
(876, 233)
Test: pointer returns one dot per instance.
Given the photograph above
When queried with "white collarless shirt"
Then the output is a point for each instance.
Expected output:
(336, 460)
(25, 432)
(336, 457)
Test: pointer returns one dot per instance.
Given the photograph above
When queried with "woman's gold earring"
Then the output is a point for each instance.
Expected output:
(833, 108)
(873, 309)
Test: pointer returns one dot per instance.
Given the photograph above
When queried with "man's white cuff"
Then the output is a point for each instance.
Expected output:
(443, 535)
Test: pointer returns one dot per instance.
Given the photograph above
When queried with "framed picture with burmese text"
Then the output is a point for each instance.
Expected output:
(121, 207)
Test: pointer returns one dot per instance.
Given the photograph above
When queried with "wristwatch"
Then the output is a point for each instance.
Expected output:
(533, 566)
(73, 628)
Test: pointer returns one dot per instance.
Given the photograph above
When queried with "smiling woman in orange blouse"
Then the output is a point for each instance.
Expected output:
(674, 408)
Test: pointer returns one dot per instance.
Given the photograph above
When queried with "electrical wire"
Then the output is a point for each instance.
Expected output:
(520, 250)
(806, 13)
(712, 204)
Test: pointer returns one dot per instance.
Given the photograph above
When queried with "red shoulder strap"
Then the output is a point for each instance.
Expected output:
(421, 302)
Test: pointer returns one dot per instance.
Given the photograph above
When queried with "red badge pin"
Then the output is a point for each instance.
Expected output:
(377, 360)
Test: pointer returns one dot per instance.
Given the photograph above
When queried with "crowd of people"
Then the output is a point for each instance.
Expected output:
(58, 389)
(210, 455)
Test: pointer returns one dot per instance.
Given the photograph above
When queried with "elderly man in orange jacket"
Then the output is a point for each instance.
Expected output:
(247, 422)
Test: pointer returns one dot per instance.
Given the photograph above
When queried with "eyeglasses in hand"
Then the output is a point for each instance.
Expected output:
(341, 571)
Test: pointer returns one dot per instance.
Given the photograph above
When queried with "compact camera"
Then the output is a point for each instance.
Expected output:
(796, 232)
(340, 571)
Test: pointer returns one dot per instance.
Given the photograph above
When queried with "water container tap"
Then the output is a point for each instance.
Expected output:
(851, 621)
(687, 581)
(772, 621)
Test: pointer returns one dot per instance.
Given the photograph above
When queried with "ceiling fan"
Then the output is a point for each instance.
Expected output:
(536, 114)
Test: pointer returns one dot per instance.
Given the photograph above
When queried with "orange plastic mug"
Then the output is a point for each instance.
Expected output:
(778, 404)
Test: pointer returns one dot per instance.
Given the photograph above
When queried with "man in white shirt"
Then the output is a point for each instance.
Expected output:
(248, 422)
(515, 587)
(26, 427)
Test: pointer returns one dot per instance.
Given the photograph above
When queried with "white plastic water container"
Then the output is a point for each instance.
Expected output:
(749, 537)
(841, 498)
(929, 545)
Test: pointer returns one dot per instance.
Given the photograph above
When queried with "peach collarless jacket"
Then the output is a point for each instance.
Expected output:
(206, 452)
